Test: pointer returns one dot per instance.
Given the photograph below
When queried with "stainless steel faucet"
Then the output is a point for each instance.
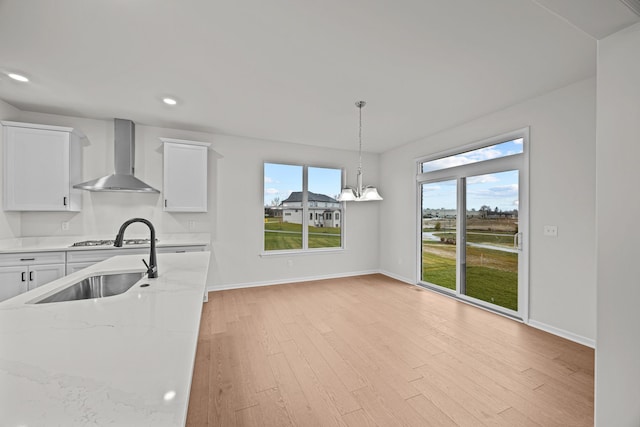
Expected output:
(152, 267)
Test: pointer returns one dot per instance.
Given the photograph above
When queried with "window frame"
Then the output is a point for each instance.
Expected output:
(305, 213)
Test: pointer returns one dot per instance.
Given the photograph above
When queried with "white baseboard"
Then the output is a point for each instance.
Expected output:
(562, 333)
(397, 277)
(284, 281)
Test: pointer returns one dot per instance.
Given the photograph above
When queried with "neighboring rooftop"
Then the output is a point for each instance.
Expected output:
(296, 196)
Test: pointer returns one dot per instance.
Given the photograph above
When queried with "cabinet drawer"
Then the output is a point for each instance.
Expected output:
(31, 258)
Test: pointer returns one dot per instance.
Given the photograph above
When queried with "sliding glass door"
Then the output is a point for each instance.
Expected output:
(472, 227)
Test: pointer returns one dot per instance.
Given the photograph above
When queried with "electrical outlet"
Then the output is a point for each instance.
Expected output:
(551, 230)
(192, 225)
(289, 263)
(65, 225)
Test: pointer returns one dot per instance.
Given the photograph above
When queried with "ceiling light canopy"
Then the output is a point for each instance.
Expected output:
(360, 193)
(18, 77)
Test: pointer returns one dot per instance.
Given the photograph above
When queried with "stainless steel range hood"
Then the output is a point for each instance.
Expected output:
(122, 179)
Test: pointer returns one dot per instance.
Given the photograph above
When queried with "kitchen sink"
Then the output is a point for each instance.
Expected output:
(95, 287)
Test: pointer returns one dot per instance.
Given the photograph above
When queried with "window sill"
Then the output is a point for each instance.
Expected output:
(298, 252)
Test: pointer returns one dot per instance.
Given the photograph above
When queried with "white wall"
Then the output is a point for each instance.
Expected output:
(618, 205)
(9, 221)
(235, 212)
(562, 193)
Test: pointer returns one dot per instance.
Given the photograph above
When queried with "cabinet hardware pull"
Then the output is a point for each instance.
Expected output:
(27, 259)
(31, 276)
(23, 277)
(64, 200)
(180, 252)
(165, 203)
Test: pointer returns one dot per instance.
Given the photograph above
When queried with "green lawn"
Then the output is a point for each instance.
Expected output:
(439, 270)
(284, 236)
(491, 275)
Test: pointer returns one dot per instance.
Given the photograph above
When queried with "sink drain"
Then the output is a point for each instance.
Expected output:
(144, 285)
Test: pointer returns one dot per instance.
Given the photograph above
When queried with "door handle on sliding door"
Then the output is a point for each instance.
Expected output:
(517, 241)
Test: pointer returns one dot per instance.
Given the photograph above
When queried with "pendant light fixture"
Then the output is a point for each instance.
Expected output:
(359, 193)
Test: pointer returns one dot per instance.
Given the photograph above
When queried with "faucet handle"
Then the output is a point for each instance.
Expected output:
(146, 265)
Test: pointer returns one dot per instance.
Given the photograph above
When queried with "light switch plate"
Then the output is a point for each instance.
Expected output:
(551, 230)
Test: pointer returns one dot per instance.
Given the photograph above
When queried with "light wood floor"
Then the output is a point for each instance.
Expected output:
(371, 351)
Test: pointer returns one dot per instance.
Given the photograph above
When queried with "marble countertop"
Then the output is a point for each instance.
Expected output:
(124, 360)
(52, 244)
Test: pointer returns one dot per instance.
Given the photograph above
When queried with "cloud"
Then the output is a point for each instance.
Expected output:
(430, 188)
(482, 179)
(271, 191)
(502, 191)
(479, 155)
(473, 156)
(269, 180)
(486, 153)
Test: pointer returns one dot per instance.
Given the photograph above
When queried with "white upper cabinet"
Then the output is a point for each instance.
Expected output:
(185, 175)
(41, 164)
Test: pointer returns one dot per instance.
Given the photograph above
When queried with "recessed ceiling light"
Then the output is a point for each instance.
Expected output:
(18, 77)
(169, 101)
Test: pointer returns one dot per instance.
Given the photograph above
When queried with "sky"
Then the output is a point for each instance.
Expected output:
(495, 190)
(281, 180)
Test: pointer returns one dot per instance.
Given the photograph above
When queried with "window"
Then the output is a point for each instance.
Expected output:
(295, 200)
(496, 151)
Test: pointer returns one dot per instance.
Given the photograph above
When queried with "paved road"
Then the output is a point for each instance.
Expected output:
(431, 236)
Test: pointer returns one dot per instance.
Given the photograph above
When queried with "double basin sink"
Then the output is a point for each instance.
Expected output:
(99, 286)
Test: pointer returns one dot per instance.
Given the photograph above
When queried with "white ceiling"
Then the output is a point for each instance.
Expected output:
(291, 70)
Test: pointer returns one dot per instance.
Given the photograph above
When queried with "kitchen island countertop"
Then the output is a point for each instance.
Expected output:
(124, 360)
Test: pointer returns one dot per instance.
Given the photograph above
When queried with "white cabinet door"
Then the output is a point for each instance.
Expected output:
(185, 175)
(13, 281)
(37, 168)
(43, 274)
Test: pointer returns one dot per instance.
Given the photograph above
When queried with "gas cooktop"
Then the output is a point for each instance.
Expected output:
(111, 242)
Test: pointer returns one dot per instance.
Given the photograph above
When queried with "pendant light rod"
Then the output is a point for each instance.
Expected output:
(360, 105)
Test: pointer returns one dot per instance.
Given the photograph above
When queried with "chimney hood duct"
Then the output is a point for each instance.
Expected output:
(122, 179)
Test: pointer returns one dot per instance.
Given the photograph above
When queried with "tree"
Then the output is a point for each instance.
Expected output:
(485, 208)
(438, 226)
(275, 201)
